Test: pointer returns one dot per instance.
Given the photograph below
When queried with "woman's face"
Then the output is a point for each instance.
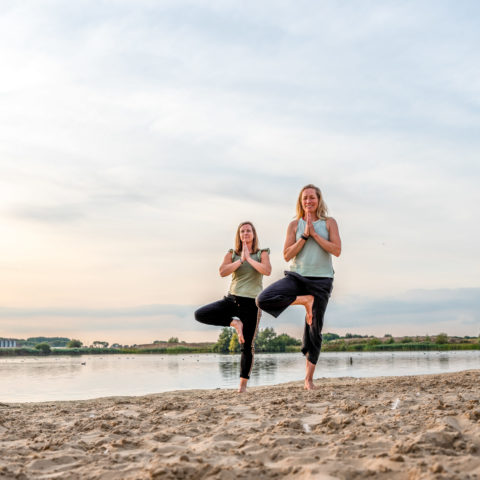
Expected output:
(246, 233)
(309, 200)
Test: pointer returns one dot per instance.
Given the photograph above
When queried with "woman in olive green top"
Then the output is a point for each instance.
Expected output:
(247, 264)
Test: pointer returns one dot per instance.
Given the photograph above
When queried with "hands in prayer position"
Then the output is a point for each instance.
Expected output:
(309, 228)
(245, 252)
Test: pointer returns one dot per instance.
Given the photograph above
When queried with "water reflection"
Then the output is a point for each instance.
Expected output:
(444, 360)
(229, 369)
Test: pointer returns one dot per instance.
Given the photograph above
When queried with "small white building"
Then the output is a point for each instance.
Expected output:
(7, 343)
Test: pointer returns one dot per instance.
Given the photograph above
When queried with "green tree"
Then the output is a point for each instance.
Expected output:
(99, 343)
(281, 342)
(234, 346)
(173, 340)
(263, 342)
(374, 341)
(389, 340)
(441, 339)
(407, 340)
(74, 343)
(52, 341)
(43, 347)
(223, 342)
(328, 337)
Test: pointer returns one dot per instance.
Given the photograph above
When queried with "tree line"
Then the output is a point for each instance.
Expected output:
(266, 340)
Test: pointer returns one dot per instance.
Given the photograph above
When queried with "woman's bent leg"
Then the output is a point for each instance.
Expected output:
(307, 302)
(278, 296)
(312, 335)
(218, 313)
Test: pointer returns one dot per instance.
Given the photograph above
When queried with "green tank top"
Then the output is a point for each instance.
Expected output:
(312, 260)
(246, 281)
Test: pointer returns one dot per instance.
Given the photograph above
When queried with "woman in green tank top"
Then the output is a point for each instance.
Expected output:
(312, 239)
(247, 264)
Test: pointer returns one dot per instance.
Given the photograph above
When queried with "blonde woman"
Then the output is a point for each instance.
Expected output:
(247, 264)
(312, 239)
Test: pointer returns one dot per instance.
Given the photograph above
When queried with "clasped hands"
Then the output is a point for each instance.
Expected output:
(309, 228)
(245, 253)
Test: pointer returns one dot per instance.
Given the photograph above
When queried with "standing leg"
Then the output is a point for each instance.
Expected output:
(312, 336)
(309, 371)
(250, 316)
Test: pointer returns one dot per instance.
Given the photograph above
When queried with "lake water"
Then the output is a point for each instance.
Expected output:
(32, 379)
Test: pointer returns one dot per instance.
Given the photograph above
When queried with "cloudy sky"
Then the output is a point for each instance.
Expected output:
(135, 135)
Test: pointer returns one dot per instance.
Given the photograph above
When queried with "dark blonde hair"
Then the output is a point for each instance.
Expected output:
(322, 210)
(238, 242)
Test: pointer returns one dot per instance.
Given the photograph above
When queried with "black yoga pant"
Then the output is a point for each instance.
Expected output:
(278, 296)
(221, 314)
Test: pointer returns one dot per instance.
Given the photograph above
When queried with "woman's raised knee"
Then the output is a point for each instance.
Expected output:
(200, 314)
(261, 300)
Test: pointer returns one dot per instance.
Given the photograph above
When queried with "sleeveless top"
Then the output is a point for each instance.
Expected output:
(246, 281)
(312, 260)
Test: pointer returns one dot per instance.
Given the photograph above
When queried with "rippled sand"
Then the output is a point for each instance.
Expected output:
(390, 428)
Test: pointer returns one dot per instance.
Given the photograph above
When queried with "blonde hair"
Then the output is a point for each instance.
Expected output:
(322, 211)
(238, 242)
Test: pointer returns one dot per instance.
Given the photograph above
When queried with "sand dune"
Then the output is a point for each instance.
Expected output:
(411, 428)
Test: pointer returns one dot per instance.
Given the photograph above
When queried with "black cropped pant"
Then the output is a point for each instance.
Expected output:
(278, 296)
(221, 314)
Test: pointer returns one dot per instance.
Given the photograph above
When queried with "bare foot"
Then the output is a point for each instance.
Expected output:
(242, 388)
(309, 385)
(307, 302)
(309, 309)
(309, 372)
(237, 324)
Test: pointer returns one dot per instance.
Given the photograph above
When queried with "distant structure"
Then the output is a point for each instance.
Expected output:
(7, 343)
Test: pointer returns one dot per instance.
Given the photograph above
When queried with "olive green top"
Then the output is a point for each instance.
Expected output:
(246, 281)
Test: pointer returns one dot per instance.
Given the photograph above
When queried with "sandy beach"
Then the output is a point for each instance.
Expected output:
(411, 428)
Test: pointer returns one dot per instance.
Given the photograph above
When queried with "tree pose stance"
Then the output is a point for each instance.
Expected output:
(312, 239)
(247, 264)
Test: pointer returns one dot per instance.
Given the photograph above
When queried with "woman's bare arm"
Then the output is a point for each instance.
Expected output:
(263, 266)
(228, 267)
(292, 246)
(334, 245)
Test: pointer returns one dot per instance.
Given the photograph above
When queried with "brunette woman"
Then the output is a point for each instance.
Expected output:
(247, 264)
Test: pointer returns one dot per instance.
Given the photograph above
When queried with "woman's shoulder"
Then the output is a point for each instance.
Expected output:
(293, 224)
(261, 250)
(330, 222)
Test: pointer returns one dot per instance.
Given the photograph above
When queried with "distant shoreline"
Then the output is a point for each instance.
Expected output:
(267, 341)
(181, 349)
